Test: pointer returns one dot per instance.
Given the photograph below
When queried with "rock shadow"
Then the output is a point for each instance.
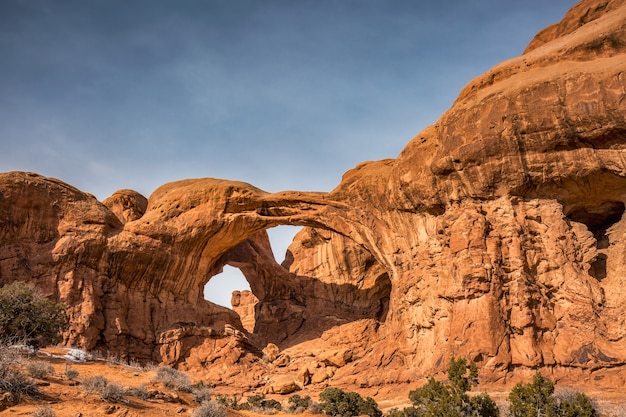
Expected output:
(599, 219)
(294, 308)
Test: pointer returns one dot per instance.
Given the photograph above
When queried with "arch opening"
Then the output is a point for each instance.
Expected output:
(329, 279)
(220, 288)
(231, 289)
(280, 239)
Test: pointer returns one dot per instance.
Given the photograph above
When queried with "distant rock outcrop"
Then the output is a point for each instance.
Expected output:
(497, 235)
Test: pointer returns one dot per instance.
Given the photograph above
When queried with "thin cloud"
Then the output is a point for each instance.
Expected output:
(281, 94)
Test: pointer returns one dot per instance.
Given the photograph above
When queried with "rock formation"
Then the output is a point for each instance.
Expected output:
(496, 235)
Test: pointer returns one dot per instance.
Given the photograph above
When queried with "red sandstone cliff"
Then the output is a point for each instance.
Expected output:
(496, 235)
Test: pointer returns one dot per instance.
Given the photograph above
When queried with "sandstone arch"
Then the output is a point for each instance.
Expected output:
(134, 284)
(487, 235)
(193, 251)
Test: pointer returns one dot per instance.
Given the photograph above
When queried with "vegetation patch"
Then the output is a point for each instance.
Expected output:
(537, 398)
(339, 403)
(39, 369)
(12, 379)
(173, 379)
(29, 317)
(210, 409)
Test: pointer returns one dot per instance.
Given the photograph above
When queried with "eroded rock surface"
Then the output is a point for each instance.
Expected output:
(497, 235)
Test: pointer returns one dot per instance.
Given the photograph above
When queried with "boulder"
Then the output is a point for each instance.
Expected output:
(281, 385)
(336, 358)
(271, 352)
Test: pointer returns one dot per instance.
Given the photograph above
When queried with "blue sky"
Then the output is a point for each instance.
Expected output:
(284, 94)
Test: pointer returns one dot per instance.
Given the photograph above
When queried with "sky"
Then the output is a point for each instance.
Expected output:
(283, 94)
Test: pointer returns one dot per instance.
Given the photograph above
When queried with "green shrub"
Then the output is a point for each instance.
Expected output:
(336, 402)
(173, 379)
(394, 412)
(579, 406)
(530, 400)
(210, 409)
(272, 405)
(537, 398)
(436, 399)
(406, 412)
(298, 404)
(29, 317)
(259, 404)
(225, 401)
(484, 405)
(369, 407)
(253, 402)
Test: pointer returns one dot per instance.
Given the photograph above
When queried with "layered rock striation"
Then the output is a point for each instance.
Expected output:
(496, 235)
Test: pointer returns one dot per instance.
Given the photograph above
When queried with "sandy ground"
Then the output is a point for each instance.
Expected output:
(67, 398)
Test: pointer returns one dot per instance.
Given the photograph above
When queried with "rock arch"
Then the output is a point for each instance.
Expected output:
(192, 228)
(487, 233)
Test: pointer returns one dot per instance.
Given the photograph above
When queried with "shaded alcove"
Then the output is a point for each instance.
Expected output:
(598, 219)
(290, 303)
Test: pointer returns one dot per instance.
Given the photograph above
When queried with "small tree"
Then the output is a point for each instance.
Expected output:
(436, 399)
(532, 400)
(30, 317)
(433, 399)
(579, 406)
(298, 404)
(538, 399)
(336, 402)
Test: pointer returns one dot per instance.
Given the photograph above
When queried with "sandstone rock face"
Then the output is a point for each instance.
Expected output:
(127, 205)
(497, 235)
(243, 303)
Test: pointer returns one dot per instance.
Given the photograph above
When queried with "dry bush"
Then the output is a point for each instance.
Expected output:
(39, 369)
(43, 411)
(98, 384)
(209, 409)
(71, 374)
(113, 393)
(201, 393)
(95, 384)
(12, 379)
(140, 392)
(173, 379)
